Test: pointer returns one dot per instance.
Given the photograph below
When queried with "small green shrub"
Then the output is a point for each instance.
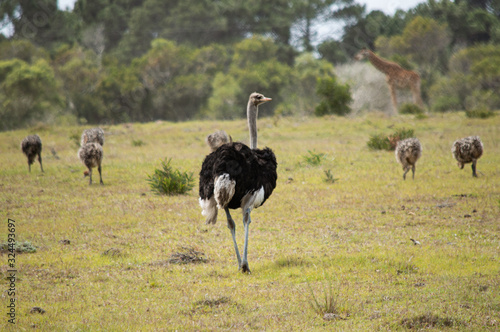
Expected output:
(335, 97)
(19, 247)
(410, 108)
(379, 142)
(329, 177)
(389, 142)
(313, 158)
(479, 113)
(75, 138)
(446, 103)
(332, 306)
(169, 181)
(138, 142)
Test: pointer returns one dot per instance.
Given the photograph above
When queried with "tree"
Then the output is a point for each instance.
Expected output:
(335, 97)
(473, 80)
(112, 16)
(254, 67)
(424, 40)
(299, 96)
(28, 93)
(365, 29)
(79, 70)
(39, 21)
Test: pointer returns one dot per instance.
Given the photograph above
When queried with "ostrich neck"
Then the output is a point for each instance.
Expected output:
(252, 111)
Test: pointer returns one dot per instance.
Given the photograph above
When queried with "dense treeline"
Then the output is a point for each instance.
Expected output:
(110, 61)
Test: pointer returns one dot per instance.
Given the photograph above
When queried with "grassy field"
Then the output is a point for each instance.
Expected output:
(347, 241)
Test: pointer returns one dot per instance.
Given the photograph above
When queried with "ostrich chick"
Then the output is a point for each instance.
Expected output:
(93, 135)
(407, 152)
(217, 139)
(32, 147)
(467, 150)
(91, 156)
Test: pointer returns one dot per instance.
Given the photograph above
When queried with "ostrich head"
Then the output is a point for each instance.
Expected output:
(362, 54)
(258, 98)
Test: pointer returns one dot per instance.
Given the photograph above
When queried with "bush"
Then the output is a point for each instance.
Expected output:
(384, 142)
(168, 181)
(410, 108)
(314, 158)
(336, 97)
(138, 142)
(19, 247)
(446, 103)
(479, 113)
(329, 177)
(379, 142)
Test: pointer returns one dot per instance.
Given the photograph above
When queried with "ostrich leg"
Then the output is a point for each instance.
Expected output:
(474, 174)
(232, 227)
(100, 175)
(40, 161)
(246, 224)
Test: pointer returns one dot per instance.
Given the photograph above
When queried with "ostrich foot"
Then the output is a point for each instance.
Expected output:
(245, 269)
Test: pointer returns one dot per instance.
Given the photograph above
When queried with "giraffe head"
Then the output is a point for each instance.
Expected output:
(362, 54)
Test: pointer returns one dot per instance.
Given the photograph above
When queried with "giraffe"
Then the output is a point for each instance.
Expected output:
(396, 76)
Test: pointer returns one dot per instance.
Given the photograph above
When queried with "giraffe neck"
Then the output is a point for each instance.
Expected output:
(379, 63)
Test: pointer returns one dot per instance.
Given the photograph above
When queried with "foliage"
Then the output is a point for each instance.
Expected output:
(138, 142)
(144, 60)
(299, 95)
(330, 304)
(28, 93)
(329, 176)
(169, 181)
(19, 247)
(254, 67)
(379, 142)
(410, 108)
(335, 97)
(472, 82)
(479, 113)
(424, 40)
(314, 158)
(389, 142)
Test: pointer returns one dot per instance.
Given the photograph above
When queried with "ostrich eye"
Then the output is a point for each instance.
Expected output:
(259, 97)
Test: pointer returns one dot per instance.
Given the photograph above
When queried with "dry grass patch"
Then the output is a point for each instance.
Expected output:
(429, 320)
(187, 255)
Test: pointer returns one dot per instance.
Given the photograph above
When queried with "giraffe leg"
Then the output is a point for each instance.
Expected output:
(394, 99)
(417, 96)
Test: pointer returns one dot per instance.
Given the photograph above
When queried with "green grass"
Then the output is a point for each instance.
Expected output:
(115, 273)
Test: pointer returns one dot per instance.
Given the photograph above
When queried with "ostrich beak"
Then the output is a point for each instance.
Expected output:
(266, 99)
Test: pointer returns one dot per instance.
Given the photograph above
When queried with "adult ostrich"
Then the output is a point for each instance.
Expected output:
(237, 176)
